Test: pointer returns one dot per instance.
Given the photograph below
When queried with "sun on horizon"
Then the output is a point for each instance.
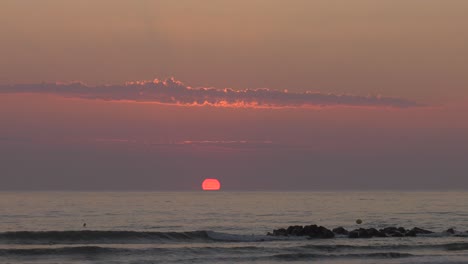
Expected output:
(211, 185)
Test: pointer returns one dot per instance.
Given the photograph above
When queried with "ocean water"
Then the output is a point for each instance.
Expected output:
(226, 227)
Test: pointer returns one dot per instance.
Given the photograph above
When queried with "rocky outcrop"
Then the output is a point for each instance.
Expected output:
(366, 233)
(417, 231)
(450, 231)
(314, 231)
(340, 231)
(388, 232)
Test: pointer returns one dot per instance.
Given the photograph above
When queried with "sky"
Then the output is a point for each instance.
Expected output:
(261, 94)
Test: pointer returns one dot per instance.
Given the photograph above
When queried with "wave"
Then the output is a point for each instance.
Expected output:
(121, 237)
(60, 251)
(305, 256)
(97, 237)
(337, 247)
(456, 246)
(251, 251)
(103, 250)
(147, 237)
(97, 250)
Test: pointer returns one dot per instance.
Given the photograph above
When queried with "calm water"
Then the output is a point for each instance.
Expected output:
(160, 227)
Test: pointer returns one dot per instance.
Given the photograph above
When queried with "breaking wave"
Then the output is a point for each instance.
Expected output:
(305, 256)
(136, 237)
(120, 237)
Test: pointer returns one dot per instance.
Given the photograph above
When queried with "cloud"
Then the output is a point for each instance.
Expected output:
(173, 92)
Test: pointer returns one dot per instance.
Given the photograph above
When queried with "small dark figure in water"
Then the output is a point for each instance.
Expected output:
(84, 224)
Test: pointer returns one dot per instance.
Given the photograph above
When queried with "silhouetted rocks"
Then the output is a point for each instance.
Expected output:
(376, 233)
(418, 231)
(359, 233)
(366, 233)
(340, 231)
(450, 231)
(394, 231)
(388, 232)
(314, 231)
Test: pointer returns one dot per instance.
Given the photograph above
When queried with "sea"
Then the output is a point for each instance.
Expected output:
(227, 227)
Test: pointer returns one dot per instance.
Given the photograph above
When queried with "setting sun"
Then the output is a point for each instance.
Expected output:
(211, 185)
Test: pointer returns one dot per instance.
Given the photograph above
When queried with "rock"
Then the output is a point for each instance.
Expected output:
(389, 230)
(397, 234)
(359, 233)
(325, 233)
(394, 231)
(353, 234)
(366, 233)
(450, 231)
(418, 231)
(375, 233)
(410, 233)
(314, 231)
(280, 232)
(340, 231)
(295, 230)
(310, 230)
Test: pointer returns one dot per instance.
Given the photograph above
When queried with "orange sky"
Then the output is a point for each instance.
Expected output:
(49, 142)
(355, 56)
(413, 49)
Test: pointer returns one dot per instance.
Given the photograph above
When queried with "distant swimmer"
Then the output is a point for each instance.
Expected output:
(84, 224)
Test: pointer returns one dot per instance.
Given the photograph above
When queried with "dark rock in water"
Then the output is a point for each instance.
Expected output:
(389, 230)
(397, 234)
(394, 231)
(410, 233)
(318, 232)
(359, 233)
(450, 231)
(353, 234)
(366, 233)
(402, 230)
(340, 231)
(310, 230)
(375, 233)
(295, 230)
(313, 231)
(279, 232)
(418, 231)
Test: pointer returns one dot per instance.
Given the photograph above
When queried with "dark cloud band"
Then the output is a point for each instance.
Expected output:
(174, 92)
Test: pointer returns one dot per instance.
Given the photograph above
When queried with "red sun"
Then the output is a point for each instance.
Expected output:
(211, 185)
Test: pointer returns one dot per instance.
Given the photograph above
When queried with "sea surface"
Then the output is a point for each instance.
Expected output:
(227, 227)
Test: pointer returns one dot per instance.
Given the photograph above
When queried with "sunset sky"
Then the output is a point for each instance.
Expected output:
(260, 94)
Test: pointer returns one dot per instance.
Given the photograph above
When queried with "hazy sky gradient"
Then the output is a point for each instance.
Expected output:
(413, 51)
(409, 48)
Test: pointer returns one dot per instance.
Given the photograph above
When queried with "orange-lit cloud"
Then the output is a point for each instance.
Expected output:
(174, 92)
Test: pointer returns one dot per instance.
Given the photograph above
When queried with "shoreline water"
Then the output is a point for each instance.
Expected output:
(236, 225)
